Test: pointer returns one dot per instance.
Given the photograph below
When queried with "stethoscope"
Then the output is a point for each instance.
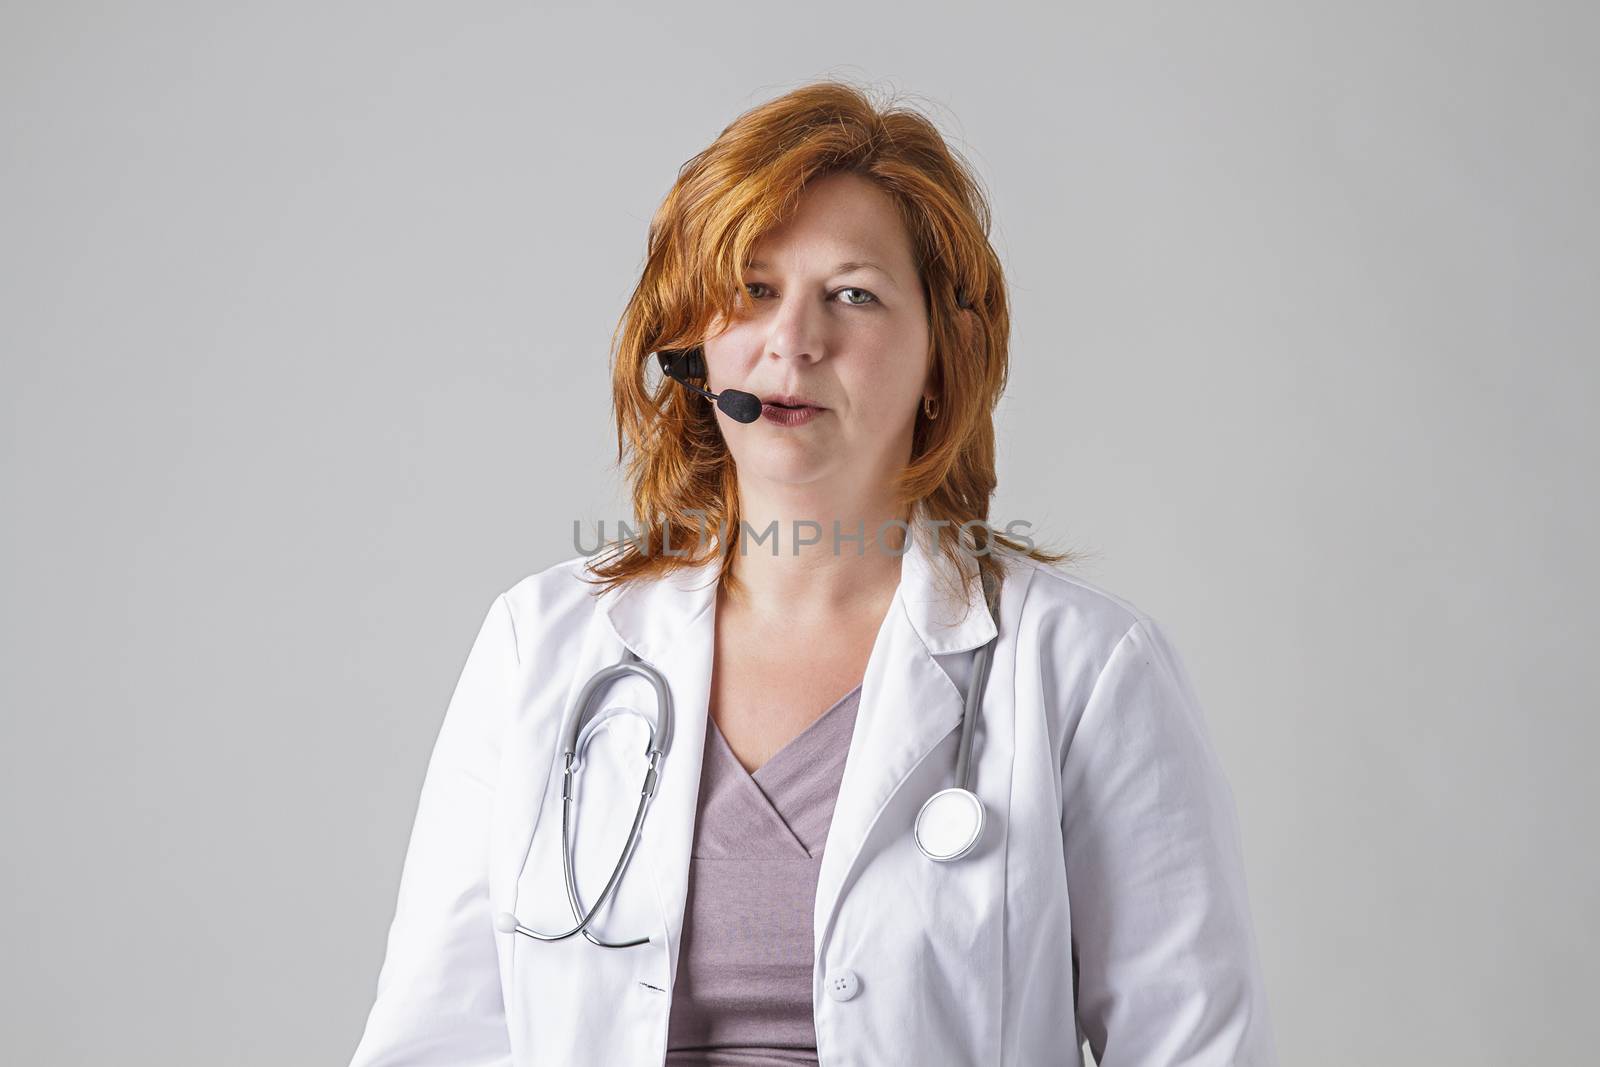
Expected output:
(948, 825)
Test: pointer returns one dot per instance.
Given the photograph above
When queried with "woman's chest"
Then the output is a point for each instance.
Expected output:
(766, 691)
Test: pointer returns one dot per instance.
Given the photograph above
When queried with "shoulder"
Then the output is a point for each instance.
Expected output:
(1077, 634)
(553, 600)
(1066, 606)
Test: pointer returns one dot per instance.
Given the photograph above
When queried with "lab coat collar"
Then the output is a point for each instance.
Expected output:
(651, 616)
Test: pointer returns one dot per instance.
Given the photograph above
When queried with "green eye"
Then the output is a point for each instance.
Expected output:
(870, 299)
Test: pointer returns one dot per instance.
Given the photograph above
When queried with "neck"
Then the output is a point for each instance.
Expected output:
(828, 579)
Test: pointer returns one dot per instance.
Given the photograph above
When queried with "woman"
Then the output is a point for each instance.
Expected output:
(781, 902)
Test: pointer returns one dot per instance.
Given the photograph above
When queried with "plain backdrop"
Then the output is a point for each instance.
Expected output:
(304, 336)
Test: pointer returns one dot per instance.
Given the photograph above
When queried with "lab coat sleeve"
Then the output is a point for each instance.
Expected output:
(439, 1001)
(1167, 967)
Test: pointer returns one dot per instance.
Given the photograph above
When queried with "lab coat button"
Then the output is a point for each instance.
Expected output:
(842, 984)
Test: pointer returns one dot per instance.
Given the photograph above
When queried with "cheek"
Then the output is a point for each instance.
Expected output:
(724, 349)
(897, 369)
(883, 397)
(718, 357)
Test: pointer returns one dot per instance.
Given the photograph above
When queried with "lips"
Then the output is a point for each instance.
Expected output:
(778, 415)
(791, 401)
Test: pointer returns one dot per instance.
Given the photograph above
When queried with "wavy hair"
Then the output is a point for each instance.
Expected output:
(746, 182)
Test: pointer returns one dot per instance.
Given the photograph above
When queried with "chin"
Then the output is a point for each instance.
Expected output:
(787, 467)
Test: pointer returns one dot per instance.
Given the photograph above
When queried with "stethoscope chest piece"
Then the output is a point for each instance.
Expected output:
(949, 824)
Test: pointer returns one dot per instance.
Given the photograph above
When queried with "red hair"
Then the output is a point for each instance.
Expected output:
(746, 182)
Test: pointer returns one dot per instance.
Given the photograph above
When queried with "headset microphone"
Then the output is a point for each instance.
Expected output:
(681, 364)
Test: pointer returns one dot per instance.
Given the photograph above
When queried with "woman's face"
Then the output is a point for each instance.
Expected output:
(832, 311)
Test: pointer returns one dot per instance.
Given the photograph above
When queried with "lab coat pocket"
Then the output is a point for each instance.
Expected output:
(573, 977)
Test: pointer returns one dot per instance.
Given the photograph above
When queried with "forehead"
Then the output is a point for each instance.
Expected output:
(841, 217)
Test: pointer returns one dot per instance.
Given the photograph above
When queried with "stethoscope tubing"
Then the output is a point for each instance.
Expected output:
(969, 714)
(660, 738)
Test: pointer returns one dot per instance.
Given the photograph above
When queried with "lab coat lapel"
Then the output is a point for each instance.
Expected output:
(909, 705)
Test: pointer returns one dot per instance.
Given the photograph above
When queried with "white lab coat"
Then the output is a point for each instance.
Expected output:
(1106, 899)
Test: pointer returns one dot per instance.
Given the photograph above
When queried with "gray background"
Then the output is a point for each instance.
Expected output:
(306, 317)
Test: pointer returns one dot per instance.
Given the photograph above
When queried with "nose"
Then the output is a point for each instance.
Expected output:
(794, 331)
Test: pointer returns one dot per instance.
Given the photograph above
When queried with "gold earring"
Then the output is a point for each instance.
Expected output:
(929, 408)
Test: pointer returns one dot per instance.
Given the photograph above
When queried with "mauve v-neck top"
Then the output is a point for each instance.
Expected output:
(742, 997)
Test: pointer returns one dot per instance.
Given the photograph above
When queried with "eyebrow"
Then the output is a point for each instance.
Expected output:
(849, 264)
